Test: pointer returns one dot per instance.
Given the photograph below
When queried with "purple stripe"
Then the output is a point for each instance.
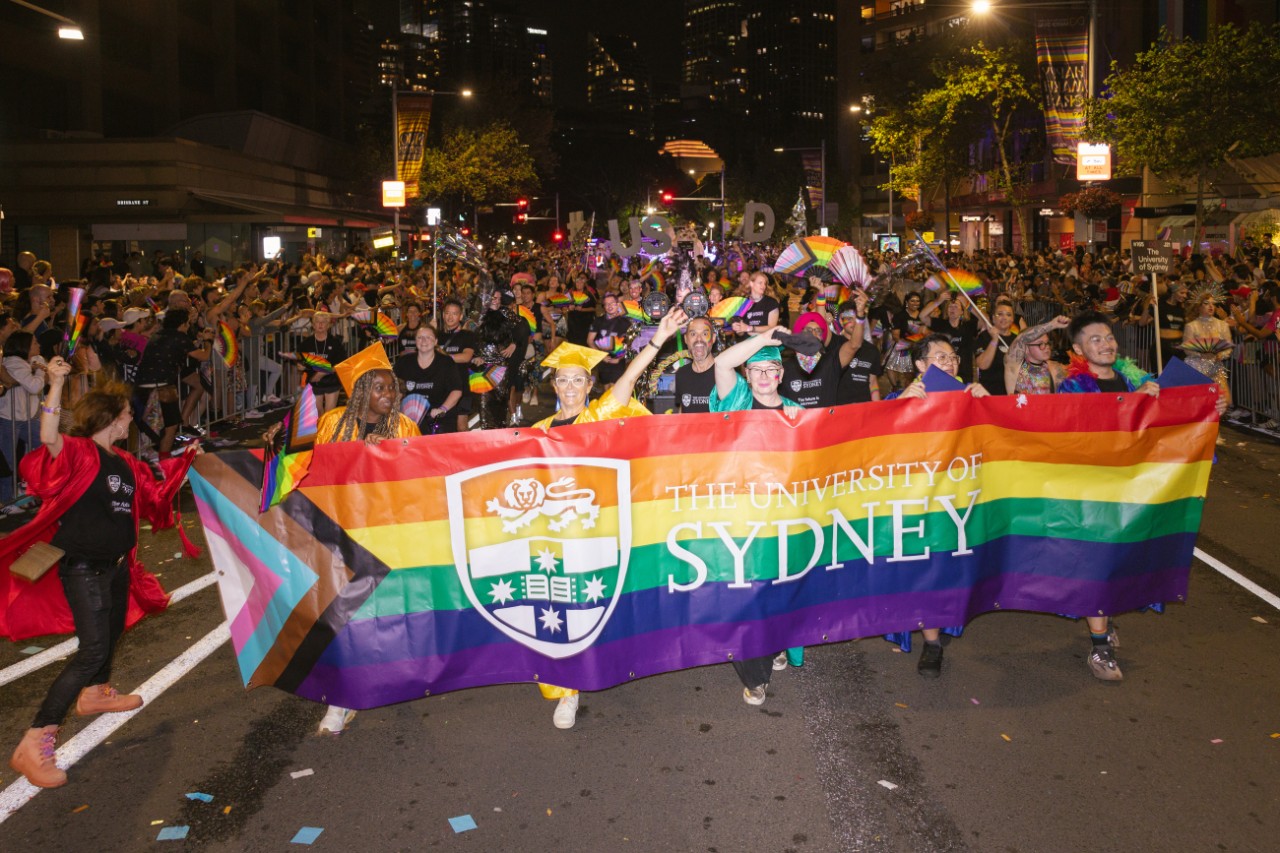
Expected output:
(609, 664)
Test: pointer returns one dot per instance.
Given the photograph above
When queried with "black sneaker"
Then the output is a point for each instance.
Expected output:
(930, 665)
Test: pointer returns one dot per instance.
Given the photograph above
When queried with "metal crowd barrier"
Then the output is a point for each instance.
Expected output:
(1252, 378)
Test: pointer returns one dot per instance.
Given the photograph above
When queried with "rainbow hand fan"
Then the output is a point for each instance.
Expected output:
(414, 407)
(315, 362)
(385, 326)
(227, 345)
(579, 298)
(730, 306)
(1206, 346)
(479, 383)
(560, 300)
(632, 309)
(528, 317)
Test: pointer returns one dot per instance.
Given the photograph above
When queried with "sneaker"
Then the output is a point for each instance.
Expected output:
(335, 720)
(754, 695)
(1102, 663)
(1270, 425)
(930, 664)
(253, 415)
(193, 430)
(566, 713)
(780, 662)
(272, 399)
(1113, 638)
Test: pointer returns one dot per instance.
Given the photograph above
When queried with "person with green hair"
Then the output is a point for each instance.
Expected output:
(762, 357)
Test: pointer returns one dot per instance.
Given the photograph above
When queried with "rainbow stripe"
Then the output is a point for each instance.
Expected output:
(965, 281)
(729, 307)
(385, 326)
(528, 317)
(579, 298)
(560, 300)
(632, 309)
(1069, 504)
(227, 345)
(479, 383)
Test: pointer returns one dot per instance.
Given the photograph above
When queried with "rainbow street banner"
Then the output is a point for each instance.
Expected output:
(600, 553)
(1062, 54)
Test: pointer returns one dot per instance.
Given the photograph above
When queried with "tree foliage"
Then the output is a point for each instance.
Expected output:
(1184, 106)
(480, 166)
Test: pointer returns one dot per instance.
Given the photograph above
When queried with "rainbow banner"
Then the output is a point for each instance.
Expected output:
(1062, 55)
(600, 553)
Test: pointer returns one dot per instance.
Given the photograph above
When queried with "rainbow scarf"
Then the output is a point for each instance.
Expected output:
(463, 560)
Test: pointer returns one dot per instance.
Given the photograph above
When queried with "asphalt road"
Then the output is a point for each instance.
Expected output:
(1016, 748)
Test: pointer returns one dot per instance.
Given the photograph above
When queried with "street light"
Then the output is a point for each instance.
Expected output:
(985, 7)
(70, 30)
(855, 108)
(822, 212)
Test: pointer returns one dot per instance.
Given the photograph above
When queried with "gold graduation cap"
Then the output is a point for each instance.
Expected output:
(372, 357)
(573, 355)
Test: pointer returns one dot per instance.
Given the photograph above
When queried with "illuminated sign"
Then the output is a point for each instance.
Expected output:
(393, 193)
(133, 202)
(1093, 162)
(313, 233)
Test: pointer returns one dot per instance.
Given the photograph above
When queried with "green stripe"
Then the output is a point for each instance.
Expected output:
(413, 590)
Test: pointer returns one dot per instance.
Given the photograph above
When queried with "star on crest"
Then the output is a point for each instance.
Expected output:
(595, 589)
(550, 620)
(546, 561)
(501, 592)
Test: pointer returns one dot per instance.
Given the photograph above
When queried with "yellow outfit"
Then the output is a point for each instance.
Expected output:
(603, 408)
(328, 426)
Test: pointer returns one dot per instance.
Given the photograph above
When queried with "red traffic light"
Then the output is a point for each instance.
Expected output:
(521, 218)
(522, 204)
(466, 232)
(668, 197)
(557, 236)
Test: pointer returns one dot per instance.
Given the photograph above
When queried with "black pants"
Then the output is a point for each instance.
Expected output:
(98, 592)
(754, 671)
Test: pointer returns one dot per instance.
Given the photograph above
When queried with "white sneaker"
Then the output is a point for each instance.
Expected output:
(566, 712)
(780, 662)
(273, 399)
(335, 720)
(754, 695)
(252, 415)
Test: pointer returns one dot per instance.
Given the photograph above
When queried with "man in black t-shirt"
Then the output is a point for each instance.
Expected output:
(696, 380)
(811, 380)
(606, 333)
(460, 345)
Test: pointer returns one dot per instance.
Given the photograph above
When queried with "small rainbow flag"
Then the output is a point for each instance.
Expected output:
(659, 282)
(934, 283)
(560, 300)
(284, 469)
(479, 383)
(579, 298)
(966, 281)
(73, 337)
(632, 309)
(618, 346)
(730, 306)
(528, 317)
(75, 322)
(228, 347)
(615, 264)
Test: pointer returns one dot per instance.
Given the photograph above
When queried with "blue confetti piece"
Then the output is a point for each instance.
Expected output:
(307, 835)
(204, 798)
(173, 833)
(462, 823)
(31, 650)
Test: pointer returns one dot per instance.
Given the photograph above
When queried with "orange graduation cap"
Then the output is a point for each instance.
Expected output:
(372, 357)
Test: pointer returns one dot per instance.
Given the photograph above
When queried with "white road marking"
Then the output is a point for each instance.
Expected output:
(66, 647)
(1231, 574)
(21, 792)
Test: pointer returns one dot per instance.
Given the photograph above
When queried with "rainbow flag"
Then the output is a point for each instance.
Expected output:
(560, 300)
(227, 345)
(614, 264)
(528, 317)
(284, 468)
(617, 346)
(632, 309)
(729, 307)
(75, 320)
(577, 558)
(966, 281)
(659, 282)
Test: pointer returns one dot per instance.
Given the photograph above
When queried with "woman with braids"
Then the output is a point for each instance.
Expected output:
(94, 496)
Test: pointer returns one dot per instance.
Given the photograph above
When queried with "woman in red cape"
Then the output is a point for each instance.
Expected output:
(93, 498)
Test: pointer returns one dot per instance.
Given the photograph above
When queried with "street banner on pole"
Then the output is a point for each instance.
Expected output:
(413, 117)
(1062, 54)
(812, 161)
(596, 554)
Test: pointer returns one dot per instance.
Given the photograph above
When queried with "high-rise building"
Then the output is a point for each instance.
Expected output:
(712, 64)
(789, 53)
(618, 82)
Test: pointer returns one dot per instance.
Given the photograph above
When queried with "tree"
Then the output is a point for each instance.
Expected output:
(927, 146)
(1183, 107)
(996, 86)
(479, 166)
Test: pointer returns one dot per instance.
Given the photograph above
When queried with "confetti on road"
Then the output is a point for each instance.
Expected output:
(462, 823)
(1007, 739)
(31, 650)
(156, 822)
(1257, 619)
(1276, 735)
(204, 798)
(975, 701)
(307, 835)
(1216, 740)
(227, 810)
(548, 812)
(900, 704)
(79, 809)
(173, 833)
(885, 783)
(298, 774)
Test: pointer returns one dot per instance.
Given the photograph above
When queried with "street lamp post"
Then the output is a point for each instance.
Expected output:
(822, 211)
(69, 30)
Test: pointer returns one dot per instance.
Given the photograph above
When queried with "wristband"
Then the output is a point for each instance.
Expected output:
(50, 411)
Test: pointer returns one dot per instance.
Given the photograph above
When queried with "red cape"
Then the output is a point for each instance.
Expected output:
(32, 609)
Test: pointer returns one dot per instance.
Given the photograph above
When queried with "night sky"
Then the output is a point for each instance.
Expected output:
(655, 24)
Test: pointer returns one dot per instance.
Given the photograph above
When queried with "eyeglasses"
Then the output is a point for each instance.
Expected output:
(950, 358)
(575, 381)
(1099, 339)
(1039, 344)
(768, 372)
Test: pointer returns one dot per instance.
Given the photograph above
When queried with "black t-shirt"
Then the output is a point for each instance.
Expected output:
(1115, 384)
(331, 348)
(409, 339)
(693, 389)
(1171, 316)
(993, 377)
(962, 341)
(578, 321)
(855, 380)
(812, 390)
(100, 525)
(756, 404)
(758, 313)
(436, 382)
(164, 361)
(452, 343)
(609, 327)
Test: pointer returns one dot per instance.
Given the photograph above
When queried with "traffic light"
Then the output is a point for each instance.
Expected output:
(522, 205)
(557, 236)
(466, 232)
(521, 218)
(668, 197)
